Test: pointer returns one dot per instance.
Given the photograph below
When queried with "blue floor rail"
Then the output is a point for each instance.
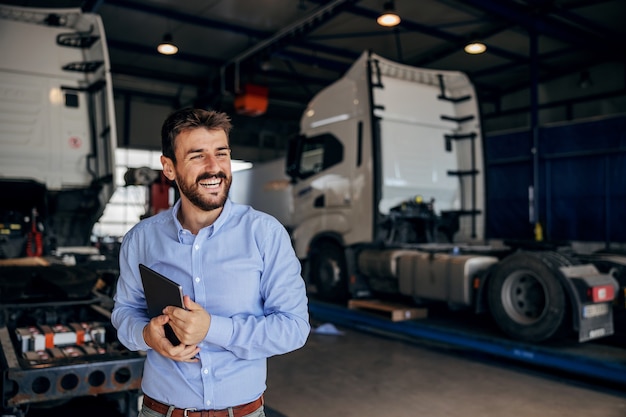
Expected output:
(607, 364)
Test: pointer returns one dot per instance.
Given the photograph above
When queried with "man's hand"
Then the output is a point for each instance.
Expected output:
(191, 324)
(154, 335)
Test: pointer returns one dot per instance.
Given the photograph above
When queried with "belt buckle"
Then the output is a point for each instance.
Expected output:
(187, 410)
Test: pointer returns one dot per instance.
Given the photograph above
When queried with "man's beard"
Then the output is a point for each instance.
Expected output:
(193, 194)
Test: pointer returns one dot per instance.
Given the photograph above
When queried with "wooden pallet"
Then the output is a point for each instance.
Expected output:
(396, 312)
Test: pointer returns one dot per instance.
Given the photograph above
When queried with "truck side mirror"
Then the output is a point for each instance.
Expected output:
(294, 152)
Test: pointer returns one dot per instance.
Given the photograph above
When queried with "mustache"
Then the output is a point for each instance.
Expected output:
(207, 176)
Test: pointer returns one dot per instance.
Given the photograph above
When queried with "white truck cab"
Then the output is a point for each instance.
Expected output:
(388, 197)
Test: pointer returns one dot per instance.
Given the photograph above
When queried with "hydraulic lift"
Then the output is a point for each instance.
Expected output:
(604, 363)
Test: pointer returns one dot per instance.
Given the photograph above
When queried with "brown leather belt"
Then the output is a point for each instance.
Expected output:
(238, 411)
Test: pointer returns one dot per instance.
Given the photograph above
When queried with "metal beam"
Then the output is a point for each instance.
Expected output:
(288, 35)
(547, 26)
(173, 14)
(183, 56)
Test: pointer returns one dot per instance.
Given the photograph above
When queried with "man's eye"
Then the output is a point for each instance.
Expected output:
(196, 157)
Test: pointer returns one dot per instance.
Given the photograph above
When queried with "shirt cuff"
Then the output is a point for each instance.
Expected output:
(139, 340)
(220, 331)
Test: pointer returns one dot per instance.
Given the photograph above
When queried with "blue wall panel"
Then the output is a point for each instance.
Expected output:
(582, 182)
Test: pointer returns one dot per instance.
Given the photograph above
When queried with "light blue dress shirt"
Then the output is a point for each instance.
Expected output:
(242, 269)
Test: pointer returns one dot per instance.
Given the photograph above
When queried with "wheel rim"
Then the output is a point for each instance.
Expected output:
(524, 297)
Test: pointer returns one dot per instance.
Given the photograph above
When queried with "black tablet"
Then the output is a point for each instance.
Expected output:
(161, 292)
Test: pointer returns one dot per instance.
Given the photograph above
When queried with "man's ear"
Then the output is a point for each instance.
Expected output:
(168, 168)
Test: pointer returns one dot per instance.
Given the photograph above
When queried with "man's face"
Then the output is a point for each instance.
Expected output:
(202, 171)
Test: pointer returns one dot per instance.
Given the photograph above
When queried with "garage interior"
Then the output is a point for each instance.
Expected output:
(562, 60)
(553, 71)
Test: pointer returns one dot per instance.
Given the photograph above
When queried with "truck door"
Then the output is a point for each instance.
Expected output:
(319, 186)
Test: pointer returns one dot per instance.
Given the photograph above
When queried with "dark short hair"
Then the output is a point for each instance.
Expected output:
(190, 118)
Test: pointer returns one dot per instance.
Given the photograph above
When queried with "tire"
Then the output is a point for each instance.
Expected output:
(329, 272)
(526, 298)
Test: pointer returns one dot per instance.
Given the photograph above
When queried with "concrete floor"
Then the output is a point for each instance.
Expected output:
(362, 374)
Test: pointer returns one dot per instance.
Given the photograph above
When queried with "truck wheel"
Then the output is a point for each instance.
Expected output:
(526, 298)
(328, 272)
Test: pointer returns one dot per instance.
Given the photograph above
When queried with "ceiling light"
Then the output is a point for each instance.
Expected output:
(475, 48)
(167, 47)
(389, 17)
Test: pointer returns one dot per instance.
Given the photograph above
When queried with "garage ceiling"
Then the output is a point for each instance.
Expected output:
(296, 47)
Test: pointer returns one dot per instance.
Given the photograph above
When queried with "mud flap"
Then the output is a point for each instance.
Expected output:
(592, 294)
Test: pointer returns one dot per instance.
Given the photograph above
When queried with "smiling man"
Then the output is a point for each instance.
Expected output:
(198, 160)
(244, 300)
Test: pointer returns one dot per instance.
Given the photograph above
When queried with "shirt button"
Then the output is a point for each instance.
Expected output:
(206, 371)
(197, 279)
(197, 247)
(208, 403)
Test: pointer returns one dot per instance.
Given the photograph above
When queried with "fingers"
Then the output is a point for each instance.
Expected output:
(187, 302)
(153, 332)
(183, 353)
(190, 304)
(160, 320)
(154, 335)
(190, 325)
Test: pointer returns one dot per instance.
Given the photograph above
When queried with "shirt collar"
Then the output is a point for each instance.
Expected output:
(221, 219)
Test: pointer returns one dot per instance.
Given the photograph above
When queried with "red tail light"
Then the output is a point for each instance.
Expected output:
(601, 293)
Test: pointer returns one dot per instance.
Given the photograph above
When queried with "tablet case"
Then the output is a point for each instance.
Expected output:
(161, 292)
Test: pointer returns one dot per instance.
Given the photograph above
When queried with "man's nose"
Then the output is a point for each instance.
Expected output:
(210, 162)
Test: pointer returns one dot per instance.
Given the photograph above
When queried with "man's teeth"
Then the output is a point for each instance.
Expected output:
(211, 183)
